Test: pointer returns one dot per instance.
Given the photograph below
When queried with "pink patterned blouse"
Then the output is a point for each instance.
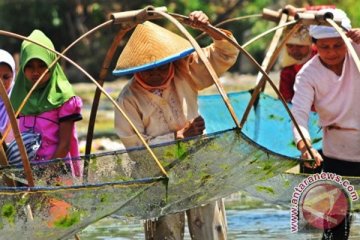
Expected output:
(48, 124)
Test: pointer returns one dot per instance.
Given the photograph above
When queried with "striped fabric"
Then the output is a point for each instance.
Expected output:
(32, 142)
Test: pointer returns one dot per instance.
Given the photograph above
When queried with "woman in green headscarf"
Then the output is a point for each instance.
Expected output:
(52, 108)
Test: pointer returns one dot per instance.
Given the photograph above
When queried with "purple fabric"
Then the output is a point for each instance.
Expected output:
(6, 57)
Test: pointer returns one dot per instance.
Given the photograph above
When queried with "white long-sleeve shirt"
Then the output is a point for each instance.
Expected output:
(336, 100)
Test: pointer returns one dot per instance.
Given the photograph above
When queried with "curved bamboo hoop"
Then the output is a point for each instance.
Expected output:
(103, 72)
(3, 161)
(252, 60)
(248, 55)
(17, 135)
(41, 77)
(227, 21)
(281, 45)
(258, 87)
(237, 19)
(267, 32)
(96, 83)
(346, 40)
(270, 52)
(172, 18)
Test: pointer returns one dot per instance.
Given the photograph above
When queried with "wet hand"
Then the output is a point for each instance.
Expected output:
(193, 128)
(198, 19)
(317, 157)
(291, 10)
(354, 34)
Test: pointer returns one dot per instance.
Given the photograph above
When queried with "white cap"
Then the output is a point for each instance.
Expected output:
(320, 31)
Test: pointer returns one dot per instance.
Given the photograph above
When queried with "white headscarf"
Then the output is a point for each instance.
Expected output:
(6, 57)
(300, 37)
(320, 31)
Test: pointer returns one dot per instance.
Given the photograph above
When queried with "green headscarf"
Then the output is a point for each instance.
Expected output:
(44, 98)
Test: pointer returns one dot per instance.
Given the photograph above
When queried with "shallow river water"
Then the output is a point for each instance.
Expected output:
(262, 223)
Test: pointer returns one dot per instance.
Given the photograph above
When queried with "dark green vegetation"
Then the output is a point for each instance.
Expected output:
(64, 21)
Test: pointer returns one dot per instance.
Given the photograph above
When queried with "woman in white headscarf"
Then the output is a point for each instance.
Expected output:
(298, 50)
(7, 76)
(331, 82)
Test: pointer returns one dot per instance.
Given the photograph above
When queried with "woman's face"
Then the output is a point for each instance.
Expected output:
(34, 69)
(155, 76)
(298, 52)
(6, 75)
(332, 51)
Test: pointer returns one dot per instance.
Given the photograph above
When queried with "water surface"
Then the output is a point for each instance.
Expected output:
(261, 223)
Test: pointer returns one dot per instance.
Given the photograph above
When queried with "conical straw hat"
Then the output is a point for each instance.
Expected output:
(151, 46)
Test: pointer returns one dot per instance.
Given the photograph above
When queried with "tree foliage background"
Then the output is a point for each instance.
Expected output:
(65, 20)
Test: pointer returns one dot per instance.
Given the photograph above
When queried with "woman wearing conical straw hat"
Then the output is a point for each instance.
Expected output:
(331, 82)
(161, 100)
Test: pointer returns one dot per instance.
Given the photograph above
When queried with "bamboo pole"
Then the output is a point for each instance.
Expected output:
(3, 162)
(172, 18)
(347, 42)
(228, 21)
(17, 135)
(103, 72)
(52, 64)
(253, 61)
(269, 54)
(95, 82)
(258, 87)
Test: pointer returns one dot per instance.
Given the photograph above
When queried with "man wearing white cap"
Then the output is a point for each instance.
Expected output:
(331, 82)
(161, 101)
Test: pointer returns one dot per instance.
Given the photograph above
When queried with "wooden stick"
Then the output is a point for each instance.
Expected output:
(258, 87)
(17, 135)
(136, 16)
(274, 42)
(228, 21)
(3, 162)
(52, 64)
(265, 33)
(204, 59)
(103, 72)
(274, 16)
(252, 60)
(347, 42)
(100, 87)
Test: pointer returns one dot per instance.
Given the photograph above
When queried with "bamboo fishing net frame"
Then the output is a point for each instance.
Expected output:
(150, 11)
(89, 76)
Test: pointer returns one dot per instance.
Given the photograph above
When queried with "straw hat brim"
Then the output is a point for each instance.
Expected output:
(150, 46)
(154, 64)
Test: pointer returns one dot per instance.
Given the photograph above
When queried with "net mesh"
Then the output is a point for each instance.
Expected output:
(267, 121)
(129, 183)
(200, 169)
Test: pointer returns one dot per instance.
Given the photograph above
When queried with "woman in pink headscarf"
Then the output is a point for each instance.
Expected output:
(7, 76)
